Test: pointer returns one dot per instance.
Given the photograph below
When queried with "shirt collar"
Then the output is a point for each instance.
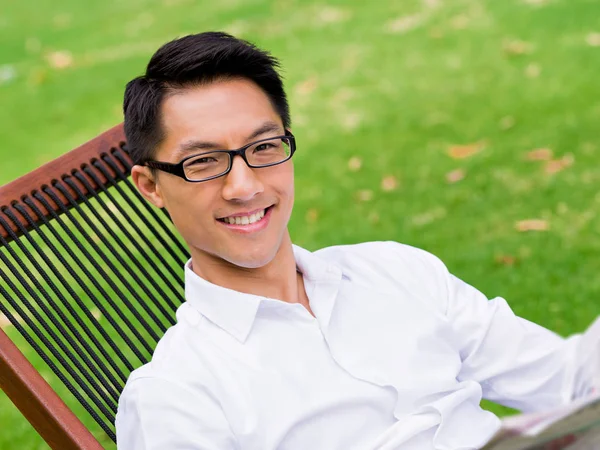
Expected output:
(321, 282)
(235, 311)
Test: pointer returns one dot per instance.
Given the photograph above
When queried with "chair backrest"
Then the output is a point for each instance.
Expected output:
(90, 277)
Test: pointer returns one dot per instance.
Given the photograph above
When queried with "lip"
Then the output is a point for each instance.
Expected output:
(250, 228)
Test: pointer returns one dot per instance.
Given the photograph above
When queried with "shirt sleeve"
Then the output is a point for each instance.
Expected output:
(518, 363)
(154, 414)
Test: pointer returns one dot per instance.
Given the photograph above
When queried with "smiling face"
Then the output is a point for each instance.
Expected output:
(241, 218)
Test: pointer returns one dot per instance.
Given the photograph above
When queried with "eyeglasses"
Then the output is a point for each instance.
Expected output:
(209, 165)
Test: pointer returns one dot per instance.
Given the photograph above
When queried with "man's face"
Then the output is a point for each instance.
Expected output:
(223, 115)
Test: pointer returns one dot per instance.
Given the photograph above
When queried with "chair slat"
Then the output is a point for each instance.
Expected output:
(90, 277)
(56, 169)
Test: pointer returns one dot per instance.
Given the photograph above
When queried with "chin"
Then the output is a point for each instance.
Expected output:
(253, 255)
(252, 261)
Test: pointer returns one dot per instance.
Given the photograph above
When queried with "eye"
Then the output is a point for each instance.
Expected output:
(264, 146)
(203, 160)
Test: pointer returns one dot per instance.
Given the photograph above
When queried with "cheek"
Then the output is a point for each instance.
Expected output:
(285, 181)
(188, 206)
(291, 188)
(285, 192)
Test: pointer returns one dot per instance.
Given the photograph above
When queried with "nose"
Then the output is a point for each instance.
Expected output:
(241, 183)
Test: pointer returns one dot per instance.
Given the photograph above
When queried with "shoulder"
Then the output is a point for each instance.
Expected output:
(392, 265)
(389, 256)
(175, 373)
(178, 358)
(157, 410)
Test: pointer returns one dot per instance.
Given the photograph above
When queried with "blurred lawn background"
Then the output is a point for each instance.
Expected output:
(469, 128)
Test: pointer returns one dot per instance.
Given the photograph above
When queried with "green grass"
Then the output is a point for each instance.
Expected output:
(395, 84)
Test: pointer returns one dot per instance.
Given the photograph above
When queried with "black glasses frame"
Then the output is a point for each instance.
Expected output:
(177, 169)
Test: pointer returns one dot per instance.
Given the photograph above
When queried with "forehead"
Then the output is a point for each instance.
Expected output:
(223, 112)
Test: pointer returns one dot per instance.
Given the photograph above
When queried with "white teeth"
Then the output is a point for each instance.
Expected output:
(245, 220)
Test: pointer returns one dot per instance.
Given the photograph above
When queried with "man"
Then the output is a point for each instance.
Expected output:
(352, 347)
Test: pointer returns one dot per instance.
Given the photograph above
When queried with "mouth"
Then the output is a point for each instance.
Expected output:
(246, 219)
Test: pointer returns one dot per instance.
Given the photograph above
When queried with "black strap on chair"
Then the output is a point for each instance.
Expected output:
(90, 276)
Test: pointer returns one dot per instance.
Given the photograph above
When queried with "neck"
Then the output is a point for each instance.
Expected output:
(277, 279)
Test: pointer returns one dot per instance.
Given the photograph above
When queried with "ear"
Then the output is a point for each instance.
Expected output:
(147, 184)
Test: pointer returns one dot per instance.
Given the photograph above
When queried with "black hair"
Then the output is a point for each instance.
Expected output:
(190, 61)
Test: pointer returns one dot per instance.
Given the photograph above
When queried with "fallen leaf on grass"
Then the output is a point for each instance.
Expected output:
(37, 76)
(142, 22)
(533, 70)
(431, 3)
(429, 216)
(507, 122)
(403, 24)
(436, 33)
(465, 151)
(307, 86)
(330, 14)
(350, 61)
(460, 22)
(62, 20)
(532, 225)
(557, 165)
(239, 27)
(299, 119)
(342, 96)
(374, 217)
(60, 60)
(454, 62)
(516, 47)
(593, 39)
(354, 163)
(351, 120)
(312, 215)
(539, 154)
(505, 260)
(389, 183)
(455, 176)
(364, 195)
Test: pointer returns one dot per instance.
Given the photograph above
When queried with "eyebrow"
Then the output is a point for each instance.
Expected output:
(186, 147)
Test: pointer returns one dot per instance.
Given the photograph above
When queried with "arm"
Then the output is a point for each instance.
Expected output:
(157, 414)
(518, 363)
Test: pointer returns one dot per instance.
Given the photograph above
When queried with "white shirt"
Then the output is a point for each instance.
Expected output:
(398, 356)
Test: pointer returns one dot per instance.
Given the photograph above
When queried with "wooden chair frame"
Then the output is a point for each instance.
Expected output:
(23, 384)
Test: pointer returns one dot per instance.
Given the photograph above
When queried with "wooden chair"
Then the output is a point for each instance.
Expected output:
(90, 277)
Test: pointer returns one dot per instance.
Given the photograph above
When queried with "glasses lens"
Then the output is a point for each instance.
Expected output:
(268, 152)
(206, 165)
